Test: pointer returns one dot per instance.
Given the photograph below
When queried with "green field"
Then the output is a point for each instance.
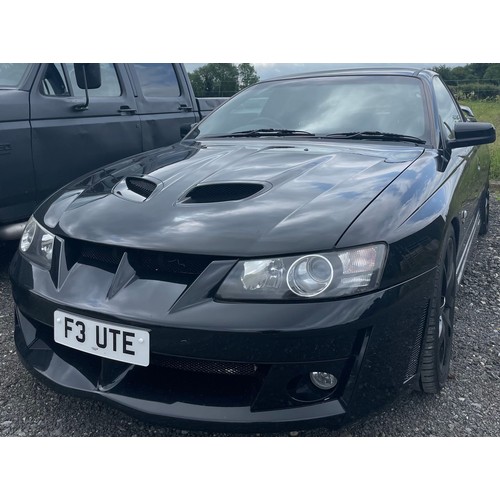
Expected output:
(489, 111)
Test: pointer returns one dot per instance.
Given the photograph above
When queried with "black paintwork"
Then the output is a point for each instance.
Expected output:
(314, 195)
(315, 188)
(45, 142)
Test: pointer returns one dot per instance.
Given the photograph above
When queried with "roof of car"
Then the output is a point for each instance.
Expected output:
(391, 71)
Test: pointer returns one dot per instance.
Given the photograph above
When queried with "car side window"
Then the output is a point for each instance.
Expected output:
(447, 109)
(110, 85)
(158, 80)
(54, 81)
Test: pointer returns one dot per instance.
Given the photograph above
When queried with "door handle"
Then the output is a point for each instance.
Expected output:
(127, 110)
(185, 107)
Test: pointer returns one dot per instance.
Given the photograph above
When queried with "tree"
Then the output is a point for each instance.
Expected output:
(474, 71)
(215, 80)
(472, 81)
(493, 73)
(247, 75)
(445, 72)
(478, 69)
(222, 79)
(463, 73)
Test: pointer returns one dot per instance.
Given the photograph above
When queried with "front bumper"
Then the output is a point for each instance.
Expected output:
(224, 365)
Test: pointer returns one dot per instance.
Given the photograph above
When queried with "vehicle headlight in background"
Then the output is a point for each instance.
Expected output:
(28, 235)
(326, 275)
(37, 244)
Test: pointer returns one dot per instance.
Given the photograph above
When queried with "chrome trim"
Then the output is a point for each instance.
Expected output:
(468, 246)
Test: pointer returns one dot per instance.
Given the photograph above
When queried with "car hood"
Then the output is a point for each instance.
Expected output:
(309, 194)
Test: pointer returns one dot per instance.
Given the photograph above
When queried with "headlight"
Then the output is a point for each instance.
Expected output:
(322, 276)
(310, 275)
(37, 244)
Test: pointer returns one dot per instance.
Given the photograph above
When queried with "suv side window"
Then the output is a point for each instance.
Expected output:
(158, 80)
(54, 81)
(110, 85)
(447, 109)
(11, 74)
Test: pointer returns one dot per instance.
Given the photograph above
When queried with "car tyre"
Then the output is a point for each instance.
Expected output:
(437, 341)
(484, 213)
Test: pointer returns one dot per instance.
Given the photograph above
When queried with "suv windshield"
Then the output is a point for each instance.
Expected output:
(325, 105)
(11, 74)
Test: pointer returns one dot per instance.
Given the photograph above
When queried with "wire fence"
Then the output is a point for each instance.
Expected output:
(477, 89)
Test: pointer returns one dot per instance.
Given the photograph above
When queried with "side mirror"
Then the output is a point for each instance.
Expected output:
(472, 134)
(88, 75)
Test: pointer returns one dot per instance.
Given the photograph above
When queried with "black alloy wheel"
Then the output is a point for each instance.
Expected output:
(436, 347)
(484, 213)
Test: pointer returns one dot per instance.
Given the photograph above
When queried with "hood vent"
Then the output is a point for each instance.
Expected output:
(140, 186)
(225, 191)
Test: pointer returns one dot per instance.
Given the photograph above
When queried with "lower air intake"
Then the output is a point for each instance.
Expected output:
(204, 366)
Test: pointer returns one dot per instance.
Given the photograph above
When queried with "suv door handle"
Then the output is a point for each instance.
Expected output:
(127, 110)
(185, 107)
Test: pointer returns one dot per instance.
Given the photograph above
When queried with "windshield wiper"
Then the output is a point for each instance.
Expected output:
(375, 135)
(279, 132)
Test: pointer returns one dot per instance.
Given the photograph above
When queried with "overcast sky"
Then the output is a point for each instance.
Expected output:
(270, 70)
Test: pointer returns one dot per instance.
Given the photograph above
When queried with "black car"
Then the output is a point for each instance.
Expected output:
(292, 262)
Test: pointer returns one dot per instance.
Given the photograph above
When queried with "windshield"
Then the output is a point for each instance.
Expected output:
(11, 74)
(323, 106)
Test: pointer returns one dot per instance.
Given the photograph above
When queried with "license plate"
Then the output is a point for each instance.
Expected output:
(108, 340)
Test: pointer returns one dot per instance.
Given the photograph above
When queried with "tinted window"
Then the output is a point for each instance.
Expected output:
(158, 80)
(54, 82)
(326, 105)
(110, 85)
(12, 74)
(447, 109)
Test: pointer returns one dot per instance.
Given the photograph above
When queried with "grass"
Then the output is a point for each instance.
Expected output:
(489, 111)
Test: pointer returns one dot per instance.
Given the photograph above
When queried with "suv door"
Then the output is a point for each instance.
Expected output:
(17, 183)
(68, 143)
(163, 101)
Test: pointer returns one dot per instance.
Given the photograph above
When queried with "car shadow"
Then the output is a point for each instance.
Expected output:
(7, 251)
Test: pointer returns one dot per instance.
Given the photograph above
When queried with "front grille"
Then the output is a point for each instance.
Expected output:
(145, 262)
(204, 366)
(142, 187)
(99, 253)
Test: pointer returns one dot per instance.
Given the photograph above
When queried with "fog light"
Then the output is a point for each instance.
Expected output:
(323, 380)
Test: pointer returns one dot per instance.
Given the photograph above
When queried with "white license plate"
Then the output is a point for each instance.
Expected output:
(108, 340)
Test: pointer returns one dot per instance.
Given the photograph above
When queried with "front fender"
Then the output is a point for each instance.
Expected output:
(411, 215)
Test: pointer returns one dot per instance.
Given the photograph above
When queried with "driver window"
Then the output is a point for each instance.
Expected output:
(447, 108)
(110, 85)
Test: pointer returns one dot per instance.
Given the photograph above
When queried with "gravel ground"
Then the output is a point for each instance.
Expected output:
(468, 406)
